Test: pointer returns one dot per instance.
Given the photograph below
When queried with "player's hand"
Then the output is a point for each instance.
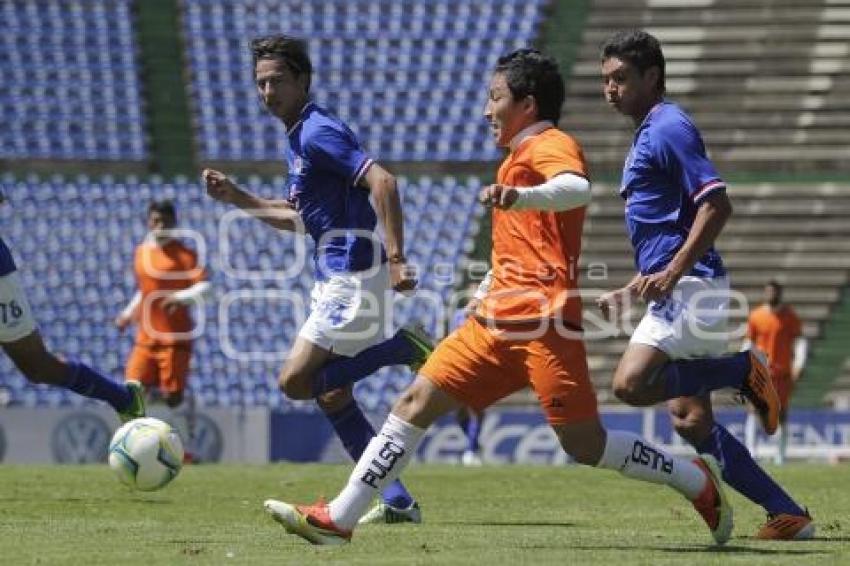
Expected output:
(219, 186)
(122, 321)
(402, 277)
(611, 303)
(498, 196)
(656, 286)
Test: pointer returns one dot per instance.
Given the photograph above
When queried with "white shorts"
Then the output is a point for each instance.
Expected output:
(348, 312)
(693, 322)
(16, 319)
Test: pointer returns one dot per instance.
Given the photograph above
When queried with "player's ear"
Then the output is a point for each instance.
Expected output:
(529, 106)
(653, 76)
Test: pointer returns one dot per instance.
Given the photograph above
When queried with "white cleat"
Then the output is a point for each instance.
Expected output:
(383, 513)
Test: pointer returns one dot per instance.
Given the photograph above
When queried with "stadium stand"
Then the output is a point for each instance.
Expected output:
(405, 75)
(763, 79)
(69, 82)
(75, 241)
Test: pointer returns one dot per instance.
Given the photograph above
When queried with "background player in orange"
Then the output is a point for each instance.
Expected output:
(775, 329)
(526, 329)
(169, 280)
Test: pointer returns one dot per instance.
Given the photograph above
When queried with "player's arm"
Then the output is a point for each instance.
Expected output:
(679, 150)
(562, 192)
(279, 214)
(801, 352)
(130, 312)
(384, 189)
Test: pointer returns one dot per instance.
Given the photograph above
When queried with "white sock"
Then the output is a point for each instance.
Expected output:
(381, 463)
(637, 458)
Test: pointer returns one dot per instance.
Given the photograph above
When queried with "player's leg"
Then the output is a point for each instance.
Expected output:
(302, 365)
(355, 431)
(357, 328)
(409, 346)
(663, 360)
(382, 462)
(470, 422)
(693, 419)
(469, 374)
(560, 378)
(39, 365)
(784, 386)
(173, 366)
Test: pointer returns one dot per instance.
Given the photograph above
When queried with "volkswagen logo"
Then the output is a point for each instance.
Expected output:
(80, 438)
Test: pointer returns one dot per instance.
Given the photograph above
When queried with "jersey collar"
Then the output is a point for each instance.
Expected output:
(529, 132)
(304, 110)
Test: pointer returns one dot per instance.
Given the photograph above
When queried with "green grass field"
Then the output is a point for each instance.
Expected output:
(492, 515)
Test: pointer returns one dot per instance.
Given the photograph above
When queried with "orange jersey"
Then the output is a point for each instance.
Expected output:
(535, 252)
(160, 270)
(774, 334)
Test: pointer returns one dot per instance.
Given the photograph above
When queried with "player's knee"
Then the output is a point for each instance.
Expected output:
(692, 428)
(629, 390)
(335, 400)
(295, 385)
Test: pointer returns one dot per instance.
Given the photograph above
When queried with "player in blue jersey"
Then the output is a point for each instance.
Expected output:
(676, 206)
(330, 181)
(23, 343)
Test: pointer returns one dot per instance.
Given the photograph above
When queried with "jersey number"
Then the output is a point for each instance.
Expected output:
(11, 309)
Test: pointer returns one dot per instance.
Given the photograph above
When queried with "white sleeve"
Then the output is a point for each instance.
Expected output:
(562, 192)
(746, 344)
(199, 290)
(801, 350)
(484, 286)
(131, 307)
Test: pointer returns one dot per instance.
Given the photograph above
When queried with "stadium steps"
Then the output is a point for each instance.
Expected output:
(163, 76)
(763, 79)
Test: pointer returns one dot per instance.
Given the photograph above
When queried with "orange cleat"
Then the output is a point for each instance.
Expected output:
(758, 389)
(311, 522)
(711, 504)
(787, 527)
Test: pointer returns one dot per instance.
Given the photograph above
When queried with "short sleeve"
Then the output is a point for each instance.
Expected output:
(752, 330)
(339, 152)
(561, 154)
(194, 273)
(680, 151)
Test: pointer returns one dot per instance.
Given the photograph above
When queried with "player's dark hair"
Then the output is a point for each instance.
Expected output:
(775, 284)
(638, 48)
(164, 207)
(530, 73)
(292, 51)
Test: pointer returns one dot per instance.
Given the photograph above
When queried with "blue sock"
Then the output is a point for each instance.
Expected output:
(691, 378)
(356, 432)
(744, 474)
(345, 371)
(90, 383)
(473, 430)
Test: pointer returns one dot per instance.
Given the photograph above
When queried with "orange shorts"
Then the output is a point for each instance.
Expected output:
(477, 366)
(164, 366)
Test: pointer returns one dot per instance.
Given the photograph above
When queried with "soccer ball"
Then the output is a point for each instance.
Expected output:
(146, 454)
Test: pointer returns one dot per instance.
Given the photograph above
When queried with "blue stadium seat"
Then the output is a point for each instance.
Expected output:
(75, 239)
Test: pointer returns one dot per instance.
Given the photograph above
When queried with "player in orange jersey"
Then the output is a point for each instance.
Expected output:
(775, 329)
(169, 280)
(526, 330)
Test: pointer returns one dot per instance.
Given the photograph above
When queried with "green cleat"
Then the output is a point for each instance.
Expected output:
(136, 409)
(422, 344)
